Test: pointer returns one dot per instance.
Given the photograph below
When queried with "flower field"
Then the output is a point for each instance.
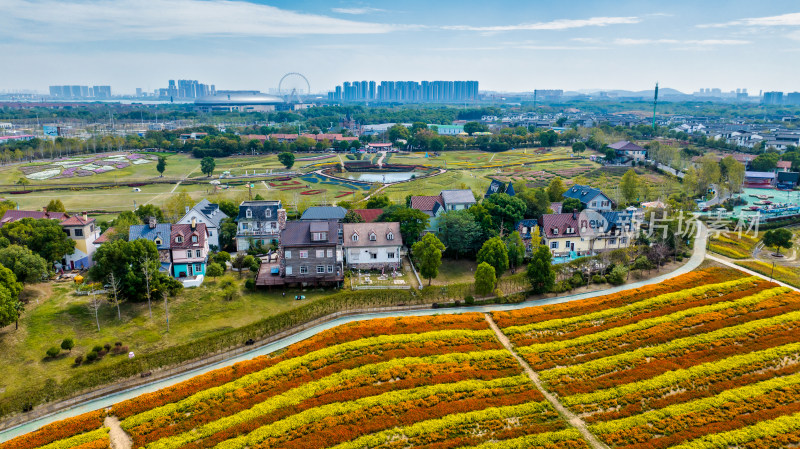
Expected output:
(83, 166)
(709, 359)
(705, 360)
(733, 245)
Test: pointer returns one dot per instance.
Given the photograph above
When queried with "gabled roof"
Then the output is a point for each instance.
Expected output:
(562, 222)
(76, 220)
(369, 215)
(211, 211)
(624, 145)
(426, 203)
(529, 224)
(324, 213)
(13, 215)
(161, 231)
(298, 233)
(499, 187)
(186, 231)
(106, 236)
(784, 164)
(460, 196)
(364, 230)
(582, 193)
(258, 210)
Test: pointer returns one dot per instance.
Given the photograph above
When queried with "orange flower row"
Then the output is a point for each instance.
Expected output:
(58, 431)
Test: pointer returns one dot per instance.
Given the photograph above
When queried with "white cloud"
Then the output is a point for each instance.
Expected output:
(560, 24)
(357, 10)
(791, 19)
(103, 20)
(693, 42)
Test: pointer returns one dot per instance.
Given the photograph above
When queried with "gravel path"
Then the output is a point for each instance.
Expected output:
(119, 439)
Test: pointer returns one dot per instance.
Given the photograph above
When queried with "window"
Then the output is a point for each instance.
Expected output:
(320, 236)
(372, 237)
(373, 255)
(303, 269)
(613, 241)
(354, 237)
(248, 213)
(304, 254)
(555, 231)
(198, 268)
(287, 254)
(320, 253)
(320, 269)
(623, 240)
(197, 253)
(268, 213)
(157, 240)
(289, 271)
(354, 255)
(553, 245)
(330, 253)
(91, 228)
(179, 239)
(390, 255)
(78, 232)
(189, 253)
(390, 236)
(567, 244)
(210, 233)
(194, 239)
(67, 231)
(330, 268)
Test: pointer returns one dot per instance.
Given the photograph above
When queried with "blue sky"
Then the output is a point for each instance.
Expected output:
(506, 45)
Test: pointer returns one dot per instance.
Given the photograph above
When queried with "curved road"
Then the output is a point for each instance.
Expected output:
(697, 258)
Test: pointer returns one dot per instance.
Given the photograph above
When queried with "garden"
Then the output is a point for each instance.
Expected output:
(85, 166)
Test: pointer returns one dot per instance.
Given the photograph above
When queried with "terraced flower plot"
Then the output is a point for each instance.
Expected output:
(707, 359)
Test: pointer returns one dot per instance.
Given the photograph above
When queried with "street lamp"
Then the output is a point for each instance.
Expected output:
(772, 271)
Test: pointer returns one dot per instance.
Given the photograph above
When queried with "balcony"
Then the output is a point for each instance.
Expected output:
(256, 232)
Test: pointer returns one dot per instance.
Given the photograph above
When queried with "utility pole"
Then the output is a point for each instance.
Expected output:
(655, 103)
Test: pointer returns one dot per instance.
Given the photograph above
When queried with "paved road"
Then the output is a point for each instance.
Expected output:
(697, 258)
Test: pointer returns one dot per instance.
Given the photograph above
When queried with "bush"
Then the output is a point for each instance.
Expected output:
(97, 348)
(67, 344)
(53, 352)
(102, 354)
(91, 356)
(598, 279)
(250, 284)
(214, 269)
(79, 360)
(577, 280)
(107, 346)
(469, 300)
(617, 275)
(221, 257)
(561, 287)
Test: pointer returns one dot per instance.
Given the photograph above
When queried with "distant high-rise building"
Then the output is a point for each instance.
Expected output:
(408, 91)
(792, 98)
(101, 92)
(138, 91)
(772, 98)
(548, 94)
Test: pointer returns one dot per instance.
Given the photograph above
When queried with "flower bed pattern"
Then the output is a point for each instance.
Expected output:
(87, 166)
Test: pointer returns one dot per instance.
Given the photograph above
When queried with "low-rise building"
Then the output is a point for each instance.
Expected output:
(499, 187)
(158, 233)
(209, 214)
(83, 231)
(189, 246)
(629, 150)
(590, 198)
(372, 246)
(310, 253)
(259, 221)
(562, 234)
(459, 199)
(324, 213)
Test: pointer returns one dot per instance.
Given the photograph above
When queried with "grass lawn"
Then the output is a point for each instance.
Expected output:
(459, 271)
(59, 314)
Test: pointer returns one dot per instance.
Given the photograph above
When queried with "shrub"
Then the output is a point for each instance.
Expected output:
(123, 349)
(469, 300)
(97, 348)
(577, 280)
(91, 356)
(598, 279)
(53, 352)
(214, 269)
(107, 346)
(101, 354)
(79, 360)
(617, 275)
(222, 257)
(67, 344)
(250, 284)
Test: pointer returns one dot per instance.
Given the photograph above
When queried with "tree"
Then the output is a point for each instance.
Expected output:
(495, 253)
(53, 352)
(691, 182)
(115, 285)
(548, 138)
(475, 127)
(221, 258)
(177, 205)
(398, 132)
(412, 222)
(610, 153)
(629, 184)
(556, 189)
(485, 279)
(571, 205)
(537, 202)
(27, 266)
(55, 206)
(540, 272)
(214, 270)
(505, 210)
(287, 159)
(207, 165)
(145, 211)
(352, 217)
(67, 344)
(708, 174)
(459, 232)
(765, 162)
(10, 305)
(428, 253)
(94, 305)
(778, 238)
(161, 165)
(733, 172)
(227, 232)
(229, 208)
(578, 147)
(378, 202)
(516, 250)
(44, 237)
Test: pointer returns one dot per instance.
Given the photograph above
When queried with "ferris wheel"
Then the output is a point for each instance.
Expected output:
(292, 86)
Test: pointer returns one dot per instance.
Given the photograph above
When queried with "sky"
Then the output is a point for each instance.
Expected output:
(505, 45)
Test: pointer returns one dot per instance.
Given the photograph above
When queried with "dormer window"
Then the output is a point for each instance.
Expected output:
(372, 237)
(555, 231)
(390, 236)
(194, 239)
(248, 213)
(570, 230)
(157, 241)
(179, 239)
(354, 237)
(268, 213)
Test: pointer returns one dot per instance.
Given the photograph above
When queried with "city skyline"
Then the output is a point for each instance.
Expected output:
(506, 46)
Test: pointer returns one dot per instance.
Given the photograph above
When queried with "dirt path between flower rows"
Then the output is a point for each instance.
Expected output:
(570, 417)
(119, 439)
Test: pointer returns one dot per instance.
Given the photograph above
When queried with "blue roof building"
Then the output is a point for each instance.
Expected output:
(590, 198)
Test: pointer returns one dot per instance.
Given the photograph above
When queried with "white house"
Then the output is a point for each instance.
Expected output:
(209, 214)
(372, 246)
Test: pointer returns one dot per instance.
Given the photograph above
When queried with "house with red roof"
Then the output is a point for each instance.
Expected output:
(189, 246)
(369, 215)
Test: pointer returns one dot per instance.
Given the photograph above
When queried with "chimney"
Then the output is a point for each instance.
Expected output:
(281, 219)
(151, 222)
(85, 216)
(574, 214)
(186, 209)
(194, 223)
